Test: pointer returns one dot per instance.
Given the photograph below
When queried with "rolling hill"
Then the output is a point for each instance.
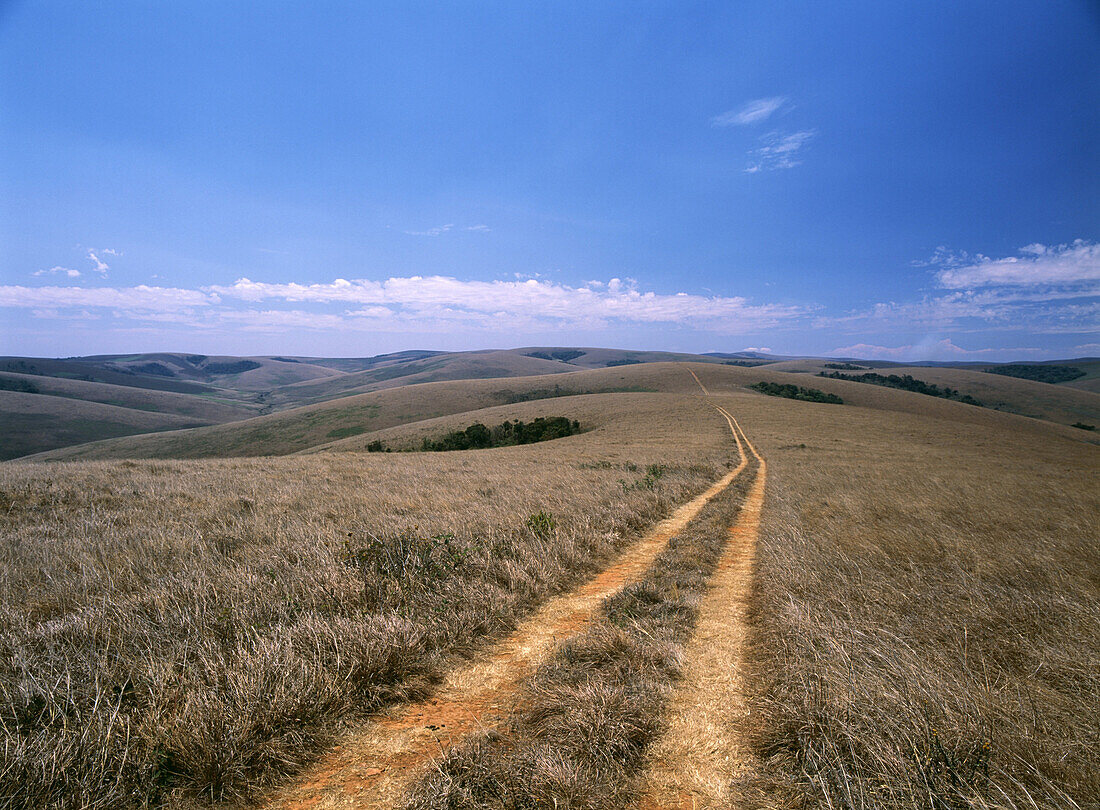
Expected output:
(353, 418)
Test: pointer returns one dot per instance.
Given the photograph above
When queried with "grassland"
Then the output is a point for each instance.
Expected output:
(208, 624)
(927, 614)
(924, 625)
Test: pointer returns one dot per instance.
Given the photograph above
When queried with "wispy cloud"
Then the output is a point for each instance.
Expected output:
(137, 299)
(1034, 265)
(432, 231)
(450, 226)
(780, 151)
(68, 271)
(1043, 289)
(101, 266)
(753, 112)
(932, 349)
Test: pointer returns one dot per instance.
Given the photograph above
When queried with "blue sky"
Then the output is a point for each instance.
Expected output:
(909, 181)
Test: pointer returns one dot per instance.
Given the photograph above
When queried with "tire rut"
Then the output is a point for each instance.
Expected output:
(372, 767)
(702, 751)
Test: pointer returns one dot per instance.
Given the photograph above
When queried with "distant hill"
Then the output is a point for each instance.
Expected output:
(274, 405)
(350, 421)
(35, 422)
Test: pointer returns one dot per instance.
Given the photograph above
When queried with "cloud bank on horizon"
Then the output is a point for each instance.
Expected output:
(1052, 289)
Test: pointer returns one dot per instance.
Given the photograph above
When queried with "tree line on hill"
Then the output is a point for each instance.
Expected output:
(1038, 372)
(905, 382)
(788, 391)
(478, 436)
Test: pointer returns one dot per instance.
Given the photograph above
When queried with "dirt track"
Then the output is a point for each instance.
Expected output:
(701, 752)
(371, 768)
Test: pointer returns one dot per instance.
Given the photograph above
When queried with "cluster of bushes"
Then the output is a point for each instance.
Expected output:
(1083, 426)
(478, 436)
(745, 363)
(846, 366)
(8, 384)
(789, 391)
(623, 362)
(906, 383)
(1039, 373)
(565, 355)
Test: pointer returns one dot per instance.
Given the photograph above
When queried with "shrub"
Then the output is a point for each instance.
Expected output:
(789, 391)
(478, 436)
(541, 523)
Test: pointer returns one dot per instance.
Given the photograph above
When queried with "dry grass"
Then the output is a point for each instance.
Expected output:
(185, 631)
(927, 621)
(588, 716)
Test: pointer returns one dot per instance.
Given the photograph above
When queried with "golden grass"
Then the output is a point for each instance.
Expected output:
(373, 766)
(927, 613)
(208, 624)
(584, 721)
(926, 618)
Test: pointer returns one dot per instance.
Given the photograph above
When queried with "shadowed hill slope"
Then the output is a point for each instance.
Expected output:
(206, 408)
(35, 422)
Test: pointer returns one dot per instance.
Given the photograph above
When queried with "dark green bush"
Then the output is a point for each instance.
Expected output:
(8, 384)
(478, 436)
(788, 391)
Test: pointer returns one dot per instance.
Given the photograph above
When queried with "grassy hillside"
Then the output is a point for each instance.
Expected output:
(1055, 403)
(459, 366)
(234, 613)
(91, 371)
(35, 422)
(926, 601)
(299, 429)
(927, 607)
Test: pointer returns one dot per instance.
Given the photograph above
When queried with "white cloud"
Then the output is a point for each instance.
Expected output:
(529, 301)
(763, 349)
(55, 270)
(1035, 265)
(929, 350)
(1087, 347)
(1043, 289)
(432, 231)
(479, 228)
(416, 303)
(140, 298)
(780, 151)
(101, 266)
(753, 112)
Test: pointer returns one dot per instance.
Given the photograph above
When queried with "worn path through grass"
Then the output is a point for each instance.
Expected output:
(702, 750)
(372, 767)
